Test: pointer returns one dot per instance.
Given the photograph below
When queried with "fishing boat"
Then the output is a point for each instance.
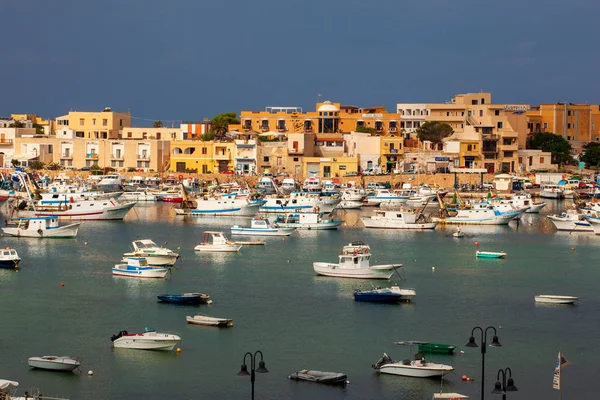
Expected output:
(217, 205)
(301, 202)
(490, 254)
(354, 262)
(309, 221)
(481, 213)
(554, 299)
(141, 196)
(404, 219)
(571, 220)
(522, 200)
(385, 195)
(217, 242)
(137, 267)
(328, 378)
(103, 209)
(40, 227)
(261, 227)
(154, 254)
(9, 258)
(209, 321)
(53, 363)
(149, 340)
(392, 294)
(416, 368)
(551, 191)
(185, 298)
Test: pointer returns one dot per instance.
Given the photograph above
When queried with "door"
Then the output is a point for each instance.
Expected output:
(180, 167)
(326, 171)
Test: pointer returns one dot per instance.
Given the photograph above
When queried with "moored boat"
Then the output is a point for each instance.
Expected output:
(209, 321)
(354, 262)
(9, 258)
(328, 378)
(185, 298)
(404, 219)
(261, 227)
(153, 253)
(217, 242)
(571, 220)
(490, 254)
(417, 368)
(53, 363)
(436, 348)
(309, 221)
(554, 299)
(137, 267)
(149, 340)
(40, 227)
(392, 294)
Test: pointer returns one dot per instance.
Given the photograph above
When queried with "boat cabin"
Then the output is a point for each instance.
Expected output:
(214, 238)
(9, 252)
(36, 223)
(260, 223)
(355, 254)
(143, 244)
(137, 262)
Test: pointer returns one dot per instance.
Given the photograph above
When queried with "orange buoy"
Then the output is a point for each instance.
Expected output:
(464, 378)
(62, 284)
(476, 243)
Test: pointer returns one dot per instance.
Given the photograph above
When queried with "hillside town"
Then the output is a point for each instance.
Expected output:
(334, 140)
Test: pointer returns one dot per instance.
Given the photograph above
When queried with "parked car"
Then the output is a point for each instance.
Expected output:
(351, 174)
(85, 169)
(369, 172)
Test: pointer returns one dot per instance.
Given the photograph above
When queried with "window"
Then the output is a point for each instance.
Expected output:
(204, 169)
(104, 122)
(129, 135)
(541, 160)
(120, 122)
(481, 113)
(499, 125)
(402, 124)
(359, 123)
(569, 125)
(569, 113)
(81, 121)
(295, 159)
(204, 151)
(266, 159)
(247, 124)
(496, 112)
(474, 102)
(482, 101)
(93, 121)
(545, 125)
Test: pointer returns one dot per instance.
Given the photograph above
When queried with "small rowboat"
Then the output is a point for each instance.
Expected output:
(490, 254)
(553, 299)
(53, 363)
(209, 321)
(185, 298)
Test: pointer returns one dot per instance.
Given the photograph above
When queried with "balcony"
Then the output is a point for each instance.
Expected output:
(143, 157)
(222, 157)
(264, 128)
(510, 147)
(488, 150)
(392, 151)
(117, 157)
(295, 152)
(489, 137)
(6, 142)
(66, 156)
(281, 129)
(392, 129)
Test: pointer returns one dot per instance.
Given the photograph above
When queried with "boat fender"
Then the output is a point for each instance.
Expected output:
(40, 231)
(180, 177)
(70, 207)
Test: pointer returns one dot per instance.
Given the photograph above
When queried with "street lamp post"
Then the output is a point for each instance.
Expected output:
(261, 368)
(501, 387)
(495, 343)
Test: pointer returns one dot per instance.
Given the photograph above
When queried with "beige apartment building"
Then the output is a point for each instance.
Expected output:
(499, 129)
(105, 124)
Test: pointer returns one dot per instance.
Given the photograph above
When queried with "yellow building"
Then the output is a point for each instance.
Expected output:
(392, 152)
(329, 167)
(94, 125)
(578, 123)
(163, 133)
(202, 157)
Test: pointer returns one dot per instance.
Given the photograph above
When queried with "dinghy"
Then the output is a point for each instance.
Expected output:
(490, 254)
(209, 321)
(554, 299)
(329, 378)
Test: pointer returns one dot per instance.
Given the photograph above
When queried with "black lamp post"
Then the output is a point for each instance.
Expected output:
(261, 368)
(504, 386)
(495, 343)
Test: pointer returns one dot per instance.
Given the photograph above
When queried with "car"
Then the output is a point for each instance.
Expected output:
(369, 172)
(351, 174)
(487, 185)
(85, 169)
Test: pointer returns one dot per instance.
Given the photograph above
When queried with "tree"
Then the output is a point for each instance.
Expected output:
(366, 129)
(555, 144)
(15, 163)
(434, 131)
(39, 129)
(219, 125)
(54, 166)
(207, 137)
(157, 124)
(591, 154)
(35, 165)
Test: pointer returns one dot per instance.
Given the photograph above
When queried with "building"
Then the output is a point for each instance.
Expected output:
(272, 158)
(105, 124)
(202, 157)
(193, 130)
(246, 153)
(45, 126)
(536, 160)
(501, 129)
(162, 133)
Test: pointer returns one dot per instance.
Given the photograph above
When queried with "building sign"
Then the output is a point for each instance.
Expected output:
(516, 107)
(442, 159)
(372, 115)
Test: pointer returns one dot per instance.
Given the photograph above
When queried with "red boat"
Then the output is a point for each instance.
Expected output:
(172, 199)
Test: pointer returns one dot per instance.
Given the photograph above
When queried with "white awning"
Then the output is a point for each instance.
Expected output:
(25, 157)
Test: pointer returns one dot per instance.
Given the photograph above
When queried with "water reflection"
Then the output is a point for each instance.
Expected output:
(135, 287)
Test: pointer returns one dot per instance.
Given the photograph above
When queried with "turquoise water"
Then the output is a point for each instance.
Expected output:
(297, 319)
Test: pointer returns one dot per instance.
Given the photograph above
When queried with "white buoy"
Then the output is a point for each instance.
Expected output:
(90, 372)
(433, 268)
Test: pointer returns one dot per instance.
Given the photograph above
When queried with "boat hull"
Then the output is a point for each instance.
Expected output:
(185, 299)
(373, 272)
(218, 248)
(53, 365)
(12, 264)
(489, 254)
(156, 273)
(570, 225)
(415, 371)
(387, 223)
(312, 226)
(137, 343)
(433, 348)
(261, 232)
(551, 299)
(116, 212)
(62, 232)
(208, 321)
(154, 259)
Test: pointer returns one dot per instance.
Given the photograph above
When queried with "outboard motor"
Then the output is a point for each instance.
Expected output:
(120, 334)
(382, 361)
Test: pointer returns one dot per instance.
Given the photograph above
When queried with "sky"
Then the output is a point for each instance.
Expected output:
(192, 59)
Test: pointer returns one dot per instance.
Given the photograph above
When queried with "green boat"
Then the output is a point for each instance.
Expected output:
(436, 348)
(490, 254)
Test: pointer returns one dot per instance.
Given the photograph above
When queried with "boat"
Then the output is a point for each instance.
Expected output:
(595, 224)
(490, 254)
(315, 220)
(261, 227)
(481, 213)
(265, 185)
(450, 396)
(458, 233)
(392, 294)
(63, 363)
(7, 393)
(209, 321)
(104, 209)
(110, 183)
(217, 242)
(137, 267)
(149, 340)
(289, 185)
(385, 195)
(350, 205)
(521, 200)
(551, 191)
(554, 299)
(416, 368)
(571, 220)
(9, 258)
(40, 227)
(153, 253)
(403, 219)
(436, 348)
(301, 202)
(141, 196)
(218, 205)
(185, 298)
(328, 378)
(354, 262)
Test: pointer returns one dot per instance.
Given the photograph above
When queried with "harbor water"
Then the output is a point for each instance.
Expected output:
(297, 319)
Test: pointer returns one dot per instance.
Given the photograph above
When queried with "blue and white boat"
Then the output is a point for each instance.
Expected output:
(265, 185)
(392, 294)
(137, 267)
(385, 196)
(40, 227)
(308, 221)
(9, 258)
(185, 298)
(482, 213)
(301, 202)
(261, 227)
(490, 254)
(218, 205)
(571, 220)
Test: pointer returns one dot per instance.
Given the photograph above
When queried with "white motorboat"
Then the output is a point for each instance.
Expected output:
(571, 220)
(110, 183)
(9, 258)
(141, 196)
(554, 299)
(149, 340)
(352, 194)
(522, 200)
(54, 363)
(137, 267)
(404, 219)
(551, 191)
(385, 196)
(316, 221)
(40, 227)
(482, 213)
(289, 185)
(218, 205)
(103, 209)
(153, 253)
(354, 262)
(217, 242)
(261, 227)
(209, 321)
(300, 202)
(417, 368)
(350, 205)
(595, 224)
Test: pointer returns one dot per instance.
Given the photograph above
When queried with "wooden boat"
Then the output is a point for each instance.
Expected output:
(137, 267)
(449, 396)
(354, 262)
(328, 378)
(9, 258)
(185, 298)
(261, 227)
(209, 321)
(554, 299)
(64, 363)
(490, 254)
(40, 227)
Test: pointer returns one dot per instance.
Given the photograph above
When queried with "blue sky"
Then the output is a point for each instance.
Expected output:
(192, 59)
